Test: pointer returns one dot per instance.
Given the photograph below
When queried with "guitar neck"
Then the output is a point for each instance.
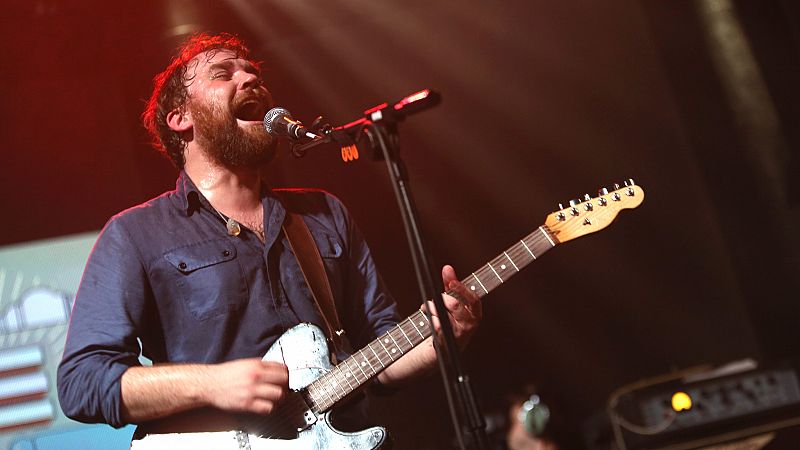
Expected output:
(379, 354)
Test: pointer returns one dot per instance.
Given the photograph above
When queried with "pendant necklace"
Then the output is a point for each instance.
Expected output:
(234, 229)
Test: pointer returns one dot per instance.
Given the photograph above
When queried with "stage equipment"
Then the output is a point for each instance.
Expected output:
(534, 415)
(279, 122)
(357, 133)
(704, 407)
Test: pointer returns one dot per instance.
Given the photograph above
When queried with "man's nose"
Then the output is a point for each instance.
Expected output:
(249, 80)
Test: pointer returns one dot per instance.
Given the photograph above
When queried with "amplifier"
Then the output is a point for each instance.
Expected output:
(702, 407)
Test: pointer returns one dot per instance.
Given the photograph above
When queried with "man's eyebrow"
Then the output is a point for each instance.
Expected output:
(228, 63)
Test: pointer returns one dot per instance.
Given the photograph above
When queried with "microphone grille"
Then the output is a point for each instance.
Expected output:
(272, 115)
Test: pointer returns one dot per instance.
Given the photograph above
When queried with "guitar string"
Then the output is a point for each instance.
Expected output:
(299, 405)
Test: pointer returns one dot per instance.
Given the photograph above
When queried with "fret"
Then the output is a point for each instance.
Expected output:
(346, 377)
(361, 366)
(337, 380)
(511, 261)
(313, 403)
(479, 282)
(366, 362)
(352, 374)
(337, 383)
(419, 332)
(376, 355)
(415, 327)
(495, 272)
(405, 335)
(322, 390)
(528, 249)
(547, 235)
(384, 349)
(396, 347)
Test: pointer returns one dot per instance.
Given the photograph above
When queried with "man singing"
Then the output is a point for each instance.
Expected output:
(202, 281)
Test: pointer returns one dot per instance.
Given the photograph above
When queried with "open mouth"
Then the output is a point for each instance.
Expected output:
(250, 111)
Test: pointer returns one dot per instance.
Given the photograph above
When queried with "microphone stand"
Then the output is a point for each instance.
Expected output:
(383, 135)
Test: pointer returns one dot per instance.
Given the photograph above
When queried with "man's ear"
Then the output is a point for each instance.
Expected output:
(179, 120)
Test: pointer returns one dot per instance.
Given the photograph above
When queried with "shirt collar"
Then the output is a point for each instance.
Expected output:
(189, 197)
(191, 200)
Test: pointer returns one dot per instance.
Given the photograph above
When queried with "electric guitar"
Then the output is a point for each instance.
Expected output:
(303, 419)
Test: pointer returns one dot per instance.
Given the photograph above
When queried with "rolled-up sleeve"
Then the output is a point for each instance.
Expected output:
(102, 339)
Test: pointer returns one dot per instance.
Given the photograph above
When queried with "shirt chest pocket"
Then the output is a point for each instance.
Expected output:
(330, 249)
(209, 278)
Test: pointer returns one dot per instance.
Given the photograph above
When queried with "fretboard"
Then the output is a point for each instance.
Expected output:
(379, 354)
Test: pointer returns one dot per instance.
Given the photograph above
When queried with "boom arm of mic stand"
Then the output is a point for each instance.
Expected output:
(343, 135)
(299, 150)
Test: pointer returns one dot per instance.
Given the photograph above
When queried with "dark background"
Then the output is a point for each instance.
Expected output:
(542, 102)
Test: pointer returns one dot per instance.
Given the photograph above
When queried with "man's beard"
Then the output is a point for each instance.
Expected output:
(219, 134)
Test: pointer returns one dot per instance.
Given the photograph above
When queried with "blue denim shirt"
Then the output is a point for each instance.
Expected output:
(166, 274)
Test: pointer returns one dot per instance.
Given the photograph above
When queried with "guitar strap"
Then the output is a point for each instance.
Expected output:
(307, 254)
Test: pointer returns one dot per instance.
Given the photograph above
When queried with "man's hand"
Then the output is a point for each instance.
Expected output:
(463, 307)
(247, 385)
(464, 310)
(244, 385)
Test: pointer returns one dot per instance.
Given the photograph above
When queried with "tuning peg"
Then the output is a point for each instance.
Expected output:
(616, 186)
(586, 197)
(630, 182)
(603, 191)
(625, 183)
(560, 206)
(573, 210)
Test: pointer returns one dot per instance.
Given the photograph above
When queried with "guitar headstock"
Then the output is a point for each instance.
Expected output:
(593, 214)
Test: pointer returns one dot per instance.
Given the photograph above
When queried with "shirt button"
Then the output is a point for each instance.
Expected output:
(182, 265)
(226, 253)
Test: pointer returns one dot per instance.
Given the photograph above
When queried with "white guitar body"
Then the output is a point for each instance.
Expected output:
(304, 350)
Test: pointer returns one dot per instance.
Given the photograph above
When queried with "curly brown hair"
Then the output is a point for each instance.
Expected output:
(170, 90)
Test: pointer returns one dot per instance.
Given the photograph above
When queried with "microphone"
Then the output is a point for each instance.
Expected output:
(279, 122)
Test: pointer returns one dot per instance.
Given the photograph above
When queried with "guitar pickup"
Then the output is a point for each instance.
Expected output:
(310, 419)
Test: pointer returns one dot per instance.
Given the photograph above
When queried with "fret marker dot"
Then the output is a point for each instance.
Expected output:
(472, 287)
(503, 266)
(394, 350)
(421, 323)
(348, 374)
(386, 341)
(363, 363)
